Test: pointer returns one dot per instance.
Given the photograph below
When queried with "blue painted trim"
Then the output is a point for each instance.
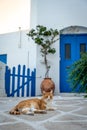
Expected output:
(3, 58)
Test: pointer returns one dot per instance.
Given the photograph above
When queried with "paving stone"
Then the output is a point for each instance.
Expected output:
(67, 102)
(67, 108)
(83, 111)
(66, 126)
(69, 117)
(16, 126)
(4, 119)
(39, 117)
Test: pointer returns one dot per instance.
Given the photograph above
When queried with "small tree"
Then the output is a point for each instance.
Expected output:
(44, 38)
(78, 74)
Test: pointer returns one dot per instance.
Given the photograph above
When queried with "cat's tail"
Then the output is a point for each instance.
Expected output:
(14, 111)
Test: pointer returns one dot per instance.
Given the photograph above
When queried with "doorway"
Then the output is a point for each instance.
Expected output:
(71, 46)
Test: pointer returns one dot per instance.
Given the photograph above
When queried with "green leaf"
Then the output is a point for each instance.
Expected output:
(52, 50)
(78, 74)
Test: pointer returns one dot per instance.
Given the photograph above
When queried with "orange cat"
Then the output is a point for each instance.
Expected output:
(35, 105)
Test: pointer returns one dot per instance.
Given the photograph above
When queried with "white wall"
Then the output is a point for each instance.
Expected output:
(56, 14)
(62, 13)
(19, 49)
(2, 79)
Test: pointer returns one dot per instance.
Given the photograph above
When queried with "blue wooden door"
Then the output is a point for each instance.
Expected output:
(71, 46)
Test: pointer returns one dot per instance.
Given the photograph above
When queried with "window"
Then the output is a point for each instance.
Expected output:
(68, 51)
(82, 48)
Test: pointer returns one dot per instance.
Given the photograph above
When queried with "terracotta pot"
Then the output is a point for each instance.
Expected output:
(47, 85)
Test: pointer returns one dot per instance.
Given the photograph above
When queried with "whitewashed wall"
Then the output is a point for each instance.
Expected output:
(56, 14)
(2, 80)
(19, 49)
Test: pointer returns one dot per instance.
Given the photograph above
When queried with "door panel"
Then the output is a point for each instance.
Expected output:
(71, 47)
(67, 51)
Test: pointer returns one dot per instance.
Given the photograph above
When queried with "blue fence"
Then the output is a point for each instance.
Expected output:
(20, 81)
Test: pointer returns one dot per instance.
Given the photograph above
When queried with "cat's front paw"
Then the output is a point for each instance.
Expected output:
(44, 112)
(30, 113)
(51, 109)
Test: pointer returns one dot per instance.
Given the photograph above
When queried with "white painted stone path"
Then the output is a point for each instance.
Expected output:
(71, 114)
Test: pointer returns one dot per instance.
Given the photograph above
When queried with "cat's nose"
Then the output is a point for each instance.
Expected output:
(48, 97)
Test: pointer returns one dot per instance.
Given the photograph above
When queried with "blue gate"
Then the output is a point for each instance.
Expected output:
(20, 82)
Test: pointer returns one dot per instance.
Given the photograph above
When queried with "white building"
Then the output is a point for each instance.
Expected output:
(59, 14)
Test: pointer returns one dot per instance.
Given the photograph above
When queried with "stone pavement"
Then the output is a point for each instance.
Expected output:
(71, 114)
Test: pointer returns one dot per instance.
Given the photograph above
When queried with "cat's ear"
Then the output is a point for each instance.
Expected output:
(51, 91)
(44, 92)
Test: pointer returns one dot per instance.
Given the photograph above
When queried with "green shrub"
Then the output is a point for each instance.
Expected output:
(78, 74)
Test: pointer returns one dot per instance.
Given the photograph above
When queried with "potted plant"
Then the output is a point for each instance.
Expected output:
(78, 74)
(45, 38)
